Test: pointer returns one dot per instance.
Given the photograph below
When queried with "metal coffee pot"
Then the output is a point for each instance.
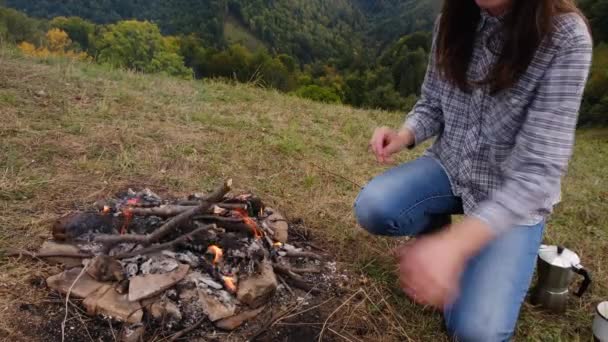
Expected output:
(557, 267)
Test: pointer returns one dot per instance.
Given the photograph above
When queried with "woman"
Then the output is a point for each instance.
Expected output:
(504, 129)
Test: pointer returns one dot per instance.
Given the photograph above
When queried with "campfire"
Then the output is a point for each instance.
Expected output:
(214, 259)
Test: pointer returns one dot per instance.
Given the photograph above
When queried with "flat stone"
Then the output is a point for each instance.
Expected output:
(85, 285)
(214, 308)
(150, 285)
(257, 289)
(278, 224)
(106, 301)
(159, 265)
(135, 334)
(51, 246)
(236, 321)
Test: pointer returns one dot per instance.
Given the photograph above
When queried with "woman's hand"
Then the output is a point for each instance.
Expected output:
(387, 141)
(430, 268)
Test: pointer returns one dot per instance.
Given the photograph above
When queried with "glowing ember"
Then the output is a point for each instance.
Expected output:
(217, 252)
(106, 209)
(257, 233)
(230, 285)
(277, 245)
(132, 201)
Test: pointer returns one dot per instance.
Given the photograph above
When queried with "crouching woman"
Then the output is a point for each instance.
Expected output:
(501, 96)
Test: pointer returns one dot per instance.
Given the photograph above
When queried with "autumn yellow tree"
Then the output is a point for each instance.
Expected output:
(57, 44)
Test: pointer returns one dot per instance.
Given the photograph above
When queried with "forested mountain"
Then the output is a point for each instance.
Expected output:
(307, 29)
(366, 53)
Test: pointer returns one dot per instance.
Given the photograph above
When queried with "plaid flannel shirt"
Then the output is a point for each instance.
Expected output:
(505, 153)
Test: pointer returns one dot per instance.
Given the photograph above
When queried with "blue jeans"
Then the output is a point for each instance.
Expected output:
(416, 198)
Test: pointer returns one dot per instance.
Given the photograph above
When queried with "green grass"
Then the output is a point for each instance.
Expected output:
(101, 130)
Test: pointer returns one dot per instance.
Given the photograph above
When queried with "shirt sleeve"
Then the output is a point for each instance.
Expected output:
(426, 117)
(544, 144)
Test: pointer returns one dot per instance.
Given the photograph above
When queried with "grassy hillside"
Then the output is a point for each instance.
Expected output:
(95, 131)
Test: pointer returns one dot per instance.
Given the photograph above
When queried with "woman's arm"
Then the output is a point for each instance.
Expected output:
(545, 142)
(425, 120)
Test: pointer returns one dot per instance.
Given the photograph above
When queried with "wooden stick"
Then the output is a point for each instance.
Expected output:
(162, 211)
(218, 218)
(165, 246)
(33, 255)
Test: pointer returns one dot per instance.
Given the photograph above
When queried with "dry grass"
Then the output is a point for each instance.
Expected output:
(101, 130)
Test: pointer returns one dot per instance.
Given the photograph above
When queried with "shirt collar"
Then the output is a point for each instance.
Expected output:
(488, 20)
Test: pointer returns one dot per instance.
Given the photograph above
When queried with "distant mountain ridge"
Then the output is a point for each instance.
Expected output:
(308, 29)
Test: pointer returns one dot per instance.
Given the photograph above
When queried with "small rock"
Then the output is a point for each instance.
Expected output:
(133, 334)
(41, 93)
(50, 246)
(278, 225)
(204, 281)
(214, 308)
(105, 268)
(234, 322)
(85, 285)
(255, 290)
(146, 286)
(165, 309)
(188, 294)
(159, 265)
(108, 302)
(131, 270)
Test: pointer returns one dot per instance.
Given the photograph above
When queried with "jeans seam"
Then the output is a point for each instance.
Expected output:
(407, 210)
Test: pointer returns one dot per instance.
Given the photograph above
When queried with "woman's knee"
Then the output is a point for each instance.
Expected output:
(372, 211)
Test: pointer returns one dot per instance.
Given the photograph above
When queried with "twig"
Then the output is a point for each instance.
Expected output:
(337, 333)
(84, 325)
(295, 279)
(67, 299)
(336, 175)
(335, 311)
(286, 286)
(33, 255)
(112, 329)
(186, 331)
(276, 318)
(305, 270)
(303, 254)
(165, 246)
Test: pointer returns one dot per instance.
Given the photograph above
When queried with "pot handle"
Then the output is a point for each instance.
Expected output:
(580, 270)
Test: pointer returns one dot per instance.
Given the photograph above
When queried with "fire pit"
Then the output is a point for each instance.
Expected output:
(196, 265)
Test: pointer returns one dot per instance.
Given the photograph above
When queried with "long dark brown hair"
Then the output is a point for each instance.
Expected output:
(524, 27)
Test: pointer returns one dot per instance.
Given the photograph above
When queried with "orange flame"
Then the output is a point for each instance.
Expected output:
(277, 245)
(230, 285)
(128, 216)
(257, 233)
(217, 252)
(106, 209)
